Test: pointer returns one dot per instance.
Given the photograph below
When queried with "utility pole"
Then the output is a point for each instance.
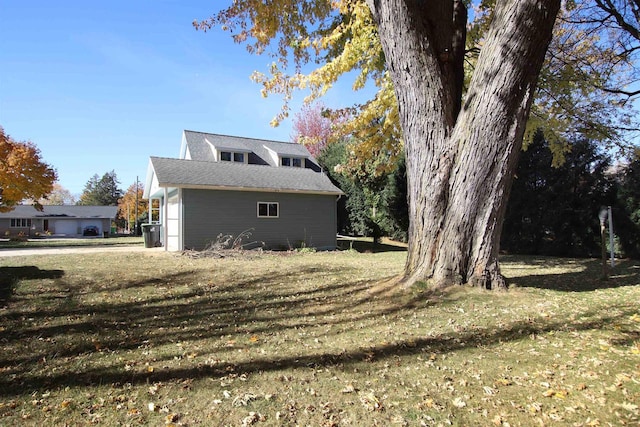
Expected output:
(136, 210)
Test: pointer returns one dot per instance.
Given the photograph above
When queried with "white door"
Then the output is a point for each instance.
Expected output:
(173, 224)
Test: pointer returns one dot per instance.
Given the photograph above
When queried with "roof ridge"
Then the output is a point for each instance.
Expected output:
(242, 137)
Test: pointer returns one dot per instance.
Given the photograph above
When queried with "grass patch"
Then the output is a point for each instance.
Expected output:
(72, 242)
(313, 339)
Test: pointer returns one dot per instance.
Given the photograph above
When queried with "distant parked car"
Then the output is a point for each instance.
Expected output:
(90, 230)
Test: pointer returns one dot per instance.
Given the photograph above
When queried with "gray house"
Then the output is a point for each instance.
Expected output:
(227, 185)
(63, 220)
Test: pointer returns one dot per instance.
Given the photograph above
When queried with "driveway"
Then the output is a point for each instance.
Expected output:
(13, 252)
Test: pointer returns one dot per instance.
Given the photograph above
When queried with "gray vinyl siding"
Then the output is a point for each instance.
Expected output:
(307, 219)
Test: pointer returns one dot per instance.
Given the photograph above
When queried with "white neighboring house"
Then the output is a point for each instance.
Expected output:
(58, 220)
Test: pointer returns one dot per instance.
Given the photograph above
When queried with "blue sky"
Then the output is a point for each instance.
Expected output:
(101, 86)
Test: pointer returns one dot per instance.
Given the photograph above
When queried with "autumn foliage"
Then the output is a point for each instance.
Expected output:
(23, 174)
(127, 204)
(315, 127)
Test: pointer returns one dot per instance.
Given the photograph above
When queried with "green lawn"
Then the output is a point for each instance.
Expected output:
(317, 339)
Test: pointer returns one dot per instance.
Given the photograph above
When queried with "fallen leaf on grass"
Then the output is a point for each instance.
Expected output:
(459, 403)
(370, 401)
(348, 389)
(252, 418)
(631, 407)
(559, 394)
(490, 391)
(503, 382)
(243, 400)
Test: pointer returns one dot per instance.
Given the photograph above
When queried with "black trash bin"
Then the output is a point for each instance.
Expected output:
(148, 231)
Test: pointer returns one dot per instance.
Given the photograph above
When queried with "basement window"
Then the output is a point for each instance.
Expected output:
(268, 209)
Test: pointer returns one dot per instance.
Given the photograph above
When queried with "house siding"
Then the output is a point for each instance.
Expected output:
(304, 219)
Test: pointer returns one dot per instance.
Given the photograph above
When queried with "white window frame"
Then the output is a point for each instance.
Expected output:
(23, 223)
(291, 160)
(268, 210)
(233, 154)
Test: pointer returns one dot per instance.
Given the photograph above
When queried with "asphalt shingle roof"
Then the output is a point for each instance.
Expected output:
(60, 211)
(201, 150)
(229, 175)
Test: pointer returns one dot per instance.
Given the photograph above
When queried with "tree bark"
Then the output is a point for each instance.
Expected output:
(461, 155)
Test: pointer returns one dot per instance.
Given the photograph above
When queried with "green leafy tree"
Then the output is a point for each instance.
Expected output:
(462, 126)
(103, 191)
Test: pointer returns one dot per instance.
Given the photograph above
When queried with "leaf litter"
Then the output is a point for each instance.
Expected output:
(316, 339)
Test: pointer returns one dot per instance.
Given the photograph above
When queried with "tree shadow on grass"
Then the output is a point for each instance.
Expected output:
(10, 276)
(262, 305)
(442, 344)
(368, 246)
(569, 275)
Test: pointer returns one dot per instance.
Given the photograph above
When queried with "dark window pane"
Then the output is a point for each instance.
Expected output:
(286, 161)
(273, 209)
(297, 163)
(238, 157)
(262, 209)
(225, 156)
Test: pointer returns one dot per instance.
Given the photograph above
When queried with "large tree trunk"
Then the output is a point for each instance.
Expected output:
(461, 156)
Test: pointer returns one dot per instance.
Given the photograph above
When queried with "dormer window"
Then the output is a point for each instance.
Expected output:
(296, 162)
(231, 156)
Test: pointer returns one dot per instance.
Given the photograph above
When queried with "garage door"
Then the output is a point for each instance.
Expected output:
(65, 226)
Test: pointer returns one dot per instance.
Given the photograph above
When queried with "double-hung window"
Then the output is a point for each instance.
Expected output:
(268, 209)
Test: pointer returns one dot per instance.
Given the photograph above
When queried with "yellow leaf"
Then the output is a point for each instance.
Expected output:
(560, 394)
